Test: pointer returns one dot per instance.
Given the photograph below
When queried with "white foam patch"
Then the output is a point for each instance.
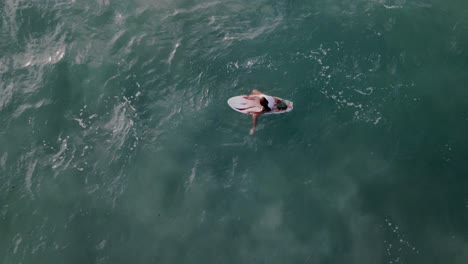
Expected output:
(101, 245)
(212, 20)
(6, 94)
(193, 9)
(120, 125)
(343, 81)
(62, 159)
(17, 239)
(24, 107)
(48, 49)
(392, 6)
(253, 32)
(377, 120)
(4, 65)
(116, 37)
(119, 19)
(29, 175)
(9, 20)
(92, 189)
(59, 155)
(3, 160)
(192, 176)
(80, 122)
(40, 245)
(397, 243)
(173, 52)
(251, 63)
(366, 91)
(234, 165)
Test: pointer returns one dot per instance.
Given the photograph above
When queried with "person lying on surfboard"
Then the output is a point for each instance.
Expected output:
(268, 104)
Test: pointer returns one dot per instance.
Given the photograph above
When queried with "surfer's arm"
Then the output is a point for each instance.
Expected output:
(254, 123)
(255, 92)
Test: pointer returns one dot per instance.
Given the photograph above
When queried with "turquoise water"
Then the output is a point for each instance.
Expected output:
(117, 145)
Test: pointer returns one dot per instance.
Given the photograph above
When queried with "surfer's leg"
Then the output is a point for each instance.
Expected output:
(254, 121)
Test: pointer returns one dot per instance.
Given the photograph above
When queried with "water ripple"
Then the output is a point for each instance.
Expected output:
(48, 49)
(119, 125)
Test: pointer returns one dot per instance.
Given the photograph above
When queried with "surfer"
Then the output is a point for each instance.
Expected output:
(268, 103)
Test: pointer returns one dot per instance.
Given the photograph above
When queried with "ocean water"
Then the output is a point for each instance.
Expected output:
(117, 145)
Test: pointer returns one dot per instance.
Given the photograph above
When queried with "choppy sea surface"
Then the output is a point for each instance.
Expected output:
(117, 145)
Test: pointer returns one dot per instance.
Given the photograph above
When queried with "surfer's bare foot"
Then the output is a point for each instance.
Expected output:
(252, 130)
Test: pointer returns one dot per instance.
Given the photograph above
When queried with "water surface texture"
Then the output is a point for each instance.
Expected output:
(117, 145)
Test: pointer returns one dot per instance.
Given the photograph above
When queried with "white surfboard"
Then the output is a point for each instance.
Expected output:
(248, 104)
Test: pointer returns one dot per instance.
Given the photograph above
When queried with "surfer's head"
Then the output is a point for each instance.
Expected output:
(281, 105)
(264, 103)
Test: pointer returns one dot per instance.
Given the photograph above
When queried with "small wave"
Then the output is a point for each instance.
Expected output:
(24, 107)
(120, 124)
(48, 49)
(4, 65)
(6, 95)
(3, 160)
(29, 174)
(63, 158)
(250, 63)
(9, 24)
(369, 90)
(392, 6)
(254, 32)
(351, 96)
(397, 242)
(17, 239)
(47, 58)
(172, 54)
(193, 9)
(234, 165)
(192, 176)
(80, 122)
(212, 20)
(116, 38)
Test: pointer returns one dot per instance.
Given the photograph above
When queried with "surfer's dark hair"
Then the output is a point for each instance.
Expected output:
(281, 105)
(264, 103)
